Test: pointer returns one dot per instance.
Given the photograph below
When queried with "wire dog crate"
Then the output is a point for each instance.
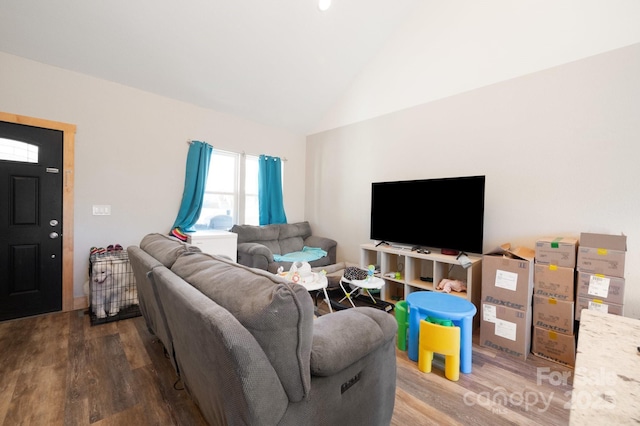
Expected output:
(112, 288)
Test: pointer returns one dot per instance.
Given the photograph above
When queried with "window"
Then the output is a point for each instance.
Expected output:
(18, 151)
(231, 193)
(251, 208)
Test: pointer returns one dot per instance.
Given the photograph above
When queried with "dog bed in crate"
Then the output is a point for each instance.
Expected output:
(112, 288)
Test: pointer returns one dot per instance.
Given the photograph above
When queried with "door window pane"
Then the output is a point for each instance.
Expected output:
(18, 151)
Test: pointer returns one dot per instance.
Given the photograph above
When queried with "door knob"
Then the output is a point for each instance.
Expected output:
(53, 235)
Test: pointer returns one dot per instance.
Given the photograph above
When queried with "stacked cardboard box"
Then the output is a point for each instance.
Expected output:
(554, 299)
(600, 265)
(507, 288)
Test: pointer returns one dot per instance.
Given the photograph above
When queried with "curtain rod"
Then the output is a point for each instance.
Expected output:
(282, 159)
(190, 141)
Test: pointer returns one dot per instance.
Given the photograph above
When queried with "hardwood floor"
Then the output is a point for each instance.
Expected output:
(57, 369)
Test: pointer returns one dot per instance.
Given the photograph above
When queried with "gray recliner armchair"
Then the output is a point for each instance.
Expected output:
(258, 244)
(248, 350)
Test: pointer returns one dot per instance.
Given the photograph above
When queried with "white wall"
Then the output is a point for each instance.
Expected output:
(450, 47)
(559, 149)
(131, 150)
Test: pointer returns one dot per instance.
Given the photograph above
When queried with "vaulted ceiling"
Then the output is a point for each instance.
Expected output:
(282, 63)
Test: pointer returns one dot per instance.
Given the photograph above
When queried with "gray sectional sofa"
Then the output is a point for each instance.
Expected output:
(258, 244)
(248, 349)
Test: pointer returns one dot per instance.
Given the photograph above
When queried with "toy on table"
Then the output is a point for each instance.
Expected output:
(370, 272)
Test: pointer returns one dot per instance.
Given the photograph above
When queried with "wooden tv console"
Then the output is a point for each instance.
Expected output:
(412, 266)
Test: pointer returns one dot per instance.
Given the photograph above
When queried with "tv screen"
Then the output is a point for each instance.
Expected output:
(446, 213)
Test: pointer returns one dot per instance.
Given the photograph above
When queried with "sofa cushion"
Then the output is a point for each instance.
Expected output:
(291, 245)
(278, 314)
(266, 235)
(253, 233)
(290, 230)
(165, 249)
(292, 236)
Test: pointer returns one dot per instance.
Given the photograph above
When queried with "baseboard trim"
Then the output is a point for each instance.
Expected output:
(80, 303)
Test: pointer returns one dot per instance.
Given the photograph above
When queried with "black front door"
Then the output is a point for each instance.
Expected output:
(31, 175)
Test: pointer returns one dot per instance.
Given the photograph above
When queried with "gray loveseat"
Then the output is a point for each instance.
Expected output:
(258, 244)
(248, 349)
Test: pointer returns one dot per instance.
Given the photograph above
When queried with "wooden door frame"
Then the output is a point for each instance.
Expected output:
(69, 133)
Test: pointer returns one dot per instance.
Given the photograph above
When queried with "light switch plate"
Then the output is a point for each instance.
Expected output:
(101, 210)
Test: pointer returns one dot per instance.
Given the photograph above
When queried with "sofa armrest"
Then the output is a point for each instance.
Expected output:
(344, 337)
(326, 244)
(254, 255)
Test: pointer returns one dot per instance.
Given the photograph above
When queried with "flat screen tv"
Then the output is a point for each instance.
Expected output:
(445, 213)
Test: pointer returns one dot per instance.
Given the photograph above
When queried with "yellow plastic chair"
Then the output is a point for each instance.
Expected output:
(443, 340)
(402, 317)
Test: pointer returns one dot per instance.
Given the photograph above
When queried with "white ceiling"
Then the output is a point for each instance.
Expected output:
(281, 62)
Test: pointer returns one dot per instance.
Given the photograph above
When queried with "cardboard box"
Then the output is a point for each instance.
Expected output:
(560, 251)
(553, 314)
(602, 254)
(557, 347)
(506, 330)
(602, 287)
(554, 281)
(583, 302)
(507, 277)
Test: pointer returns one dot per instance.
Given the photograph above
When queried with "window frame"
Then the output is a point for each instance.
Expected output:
(239, 194)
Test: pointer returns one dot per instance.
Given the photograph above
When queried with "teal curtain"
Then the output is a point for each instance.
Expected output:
(198, 159)
(270, 200)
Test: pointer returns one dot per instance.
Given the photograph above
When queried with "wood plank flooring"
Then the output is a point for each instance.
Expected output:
(57, 369)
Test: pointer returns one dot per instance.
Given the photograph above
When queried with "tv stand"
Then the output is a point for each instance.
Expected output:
(421, 271)
(381, 243)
